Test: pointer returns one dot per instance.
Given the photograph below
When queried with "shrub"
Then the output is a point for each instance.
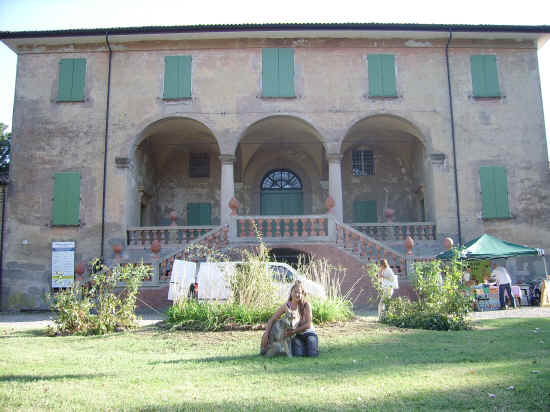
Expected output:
(442, 304)
(97, 308)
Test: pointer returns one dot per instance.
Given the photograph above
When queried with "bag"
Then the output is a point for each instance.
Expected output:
(395, 282)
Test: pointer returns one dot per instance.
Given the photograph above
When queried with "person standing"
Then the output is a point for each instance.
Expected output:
(504, 283)
(388, 279)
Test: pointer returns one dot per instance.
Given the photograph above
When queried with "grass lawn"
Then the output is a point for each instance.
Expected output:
(362, 366)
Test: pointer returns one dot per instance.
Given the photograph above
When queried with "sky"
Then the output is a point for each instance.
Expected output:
(34, 15)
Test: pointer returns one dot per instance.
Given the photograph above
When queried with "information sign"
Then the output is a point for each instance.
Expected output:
(63, 264)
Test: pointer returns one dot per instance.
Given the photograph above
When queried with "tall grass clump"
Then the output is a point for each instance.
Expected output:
(337, 306)
(251, 284)
(99, 306)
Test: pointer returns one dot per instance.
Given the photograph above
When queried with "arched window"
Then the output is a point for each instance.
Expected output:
(281, 179)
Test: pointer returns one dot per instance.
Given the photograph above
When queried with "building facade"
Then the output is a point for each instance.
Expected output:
(334, 140)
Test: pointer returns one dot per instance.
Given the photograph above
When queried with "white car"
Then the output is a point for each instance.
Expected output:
(213, 279)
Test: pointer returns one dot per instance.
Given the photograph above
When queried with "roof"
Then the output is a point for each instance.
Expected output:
(457, 28)
(414, 30)
(490, 247)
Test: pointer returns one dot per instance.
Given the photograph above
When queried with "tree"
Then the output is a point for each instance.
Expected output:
(5, 143)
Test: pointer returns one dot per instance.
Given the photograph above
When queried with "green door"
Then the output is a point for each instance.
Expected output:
(282, 203)
(281, 193)
(364, 211)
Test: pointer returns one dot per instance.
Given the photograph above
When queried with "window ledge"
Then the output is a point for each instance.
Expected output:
(384, 97)
(70, 101)
(277, 97)
(487, 98)
(176, 99)
(497, 218)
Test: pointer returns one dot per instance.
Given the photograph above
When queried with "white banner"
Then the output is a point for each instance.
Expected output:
(63, 264)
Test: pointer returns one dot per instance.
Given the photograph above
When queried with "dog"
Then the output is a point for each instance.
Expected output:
(278, 343)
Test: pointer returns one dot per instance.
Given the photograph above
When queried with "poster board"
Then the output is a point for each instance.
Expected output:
(63, 264)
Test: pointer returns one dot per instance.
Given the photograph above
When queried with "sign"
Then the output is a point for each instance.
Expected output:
(62, 264)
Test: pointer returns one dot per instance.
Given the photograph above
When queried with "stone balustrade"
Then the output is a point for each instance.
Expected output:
(270, 227)
(389, 231)
(139, 237)
(368, 248)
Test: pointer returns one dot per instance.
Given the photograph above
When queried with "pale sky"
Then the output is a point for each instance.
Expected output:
(34, 15)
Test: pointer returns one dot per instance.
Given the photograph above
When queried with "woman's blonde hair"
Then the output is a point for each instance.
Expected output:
(301, 306)
(384, 262)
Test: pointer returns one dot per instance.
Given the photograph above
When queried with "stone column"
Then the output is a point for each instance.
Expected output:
(335, 185)
(227, 190)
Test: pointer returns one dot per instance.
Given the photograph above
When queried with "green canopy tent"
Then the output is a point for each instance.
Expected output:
(487, 247)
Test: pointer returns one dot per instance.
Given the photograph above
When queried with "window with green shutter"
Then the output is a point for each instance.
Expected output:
(364, 211)
(177, 77)
(198, 214)
(494, 192)
(66, 199)
(484, 76)
(278, 72)
(381, 70)
(71, 81)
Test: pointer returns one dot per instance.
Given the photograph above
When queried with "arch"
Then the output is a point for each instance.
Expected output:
(160, 125)
(384, 124)
(285, 125)
(281, 179)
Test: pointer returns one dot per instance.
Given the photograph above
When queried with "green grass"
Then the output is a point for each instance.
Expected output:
(363, 365)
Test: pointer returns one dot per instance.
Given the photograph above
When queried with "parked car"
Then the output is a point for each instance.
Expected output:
(213, 279)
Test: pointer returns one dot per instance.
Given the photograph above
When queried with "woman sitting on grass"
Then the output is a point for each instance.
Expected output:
(304, 339)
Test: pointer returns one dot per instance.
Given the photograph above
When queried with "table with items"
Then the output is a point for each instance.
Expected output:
(487, 296)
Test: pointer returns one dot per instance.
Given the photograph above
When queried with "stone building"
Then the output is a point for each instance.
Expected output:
(338, 140)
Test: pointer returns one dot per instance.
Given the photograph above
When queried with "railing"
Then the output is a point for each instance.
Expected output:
(214, 240)
(139, 237)
(303, 226)
(369, 248)
(397, 230)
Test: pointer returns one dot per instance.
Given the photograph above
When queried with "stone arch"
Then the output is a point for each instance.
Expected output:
(385, 166)
(175, 163)
(280, 142)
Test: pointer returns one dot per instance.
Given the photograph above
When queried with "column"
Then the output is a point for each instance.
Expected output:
(335, 185)
(227, 190)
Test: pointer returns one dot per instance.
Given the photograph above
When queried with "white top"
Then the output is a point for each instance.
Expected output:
(388, 278)
(502, 275)
(466, 276)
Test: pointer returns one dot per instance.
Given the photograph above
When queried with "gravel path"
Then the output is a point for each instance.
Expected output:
(39, 320)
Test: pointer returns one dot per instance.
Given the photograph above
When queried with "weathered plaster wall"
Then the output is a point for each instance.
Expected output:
(331, 97)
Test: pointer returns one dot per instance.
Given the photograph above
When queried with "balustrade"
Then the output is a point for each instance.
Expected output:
(282, 226)
(140, 237)
(397, 230)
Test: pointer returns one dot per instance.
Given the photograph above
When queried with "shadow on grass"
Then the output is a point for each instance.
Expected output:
(372, 353)
(36, 378)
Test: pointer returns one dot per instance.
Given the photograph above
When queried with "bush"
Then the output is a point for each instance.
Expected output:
(96, 307)
(442, 304)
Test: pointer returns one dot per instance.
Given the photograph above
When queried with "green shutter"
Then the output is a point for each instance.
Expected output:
(494, 192)
(484, 76)
(270, 80)
(286, 72)
(278, 72)
(364, 211)
(72, 80)
(66, 199)
(199, 214)
(381, 70)
(177, 77)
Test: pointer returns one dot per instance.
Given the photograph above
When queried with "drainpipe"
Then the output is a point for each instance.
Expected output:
(453, 137)
(105, 148)
(2, 240)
